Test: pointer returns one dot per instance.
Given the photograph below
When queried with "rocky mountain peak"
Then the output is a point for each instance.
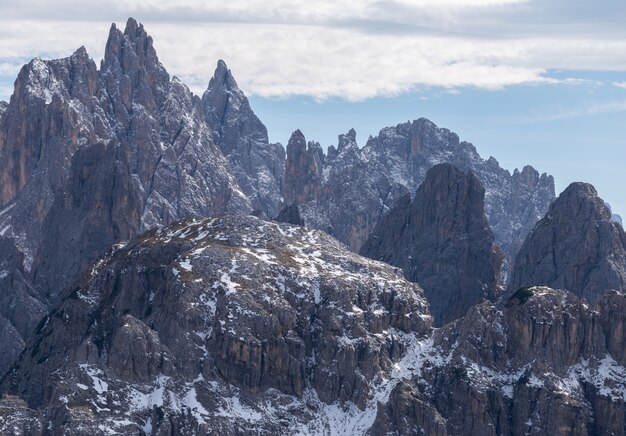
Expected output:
(530, 179)
(442, 240)
(347, 140)
(225, 104)
(579, 201)
(575, 246)
(223, 79)
(296, 143)
(131, 67)
(257, 165)
(80, 55)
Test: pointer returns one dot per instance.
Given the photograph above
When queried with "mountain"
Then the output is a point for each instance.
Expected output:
(575, 246)
(442, 240)
(219, 324)
(258, 166)
(347, 191)
(90, 156)
(237, 325)
(143, 292)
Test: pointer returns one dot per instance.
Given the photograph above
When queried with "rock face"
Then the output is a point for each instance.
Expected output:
(442, 241)
(303, 170)
(545, 364)
(576, 246)
(233, 324)
(354, 187)
(258, 166)
(88, 157)
(217, 324)
(220, 326)
(92, 155)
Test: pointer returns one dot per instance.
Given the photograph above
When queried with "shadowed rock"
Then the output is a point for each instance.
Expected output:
(576, 246)
(290, 215)
(442, 241)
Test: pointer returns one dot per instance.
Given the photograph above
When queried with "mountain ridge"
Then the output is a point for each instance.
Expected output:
(144, 287)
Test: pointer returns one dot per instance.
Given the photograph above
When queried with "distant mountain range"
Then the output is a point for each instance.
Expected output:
(165, 269)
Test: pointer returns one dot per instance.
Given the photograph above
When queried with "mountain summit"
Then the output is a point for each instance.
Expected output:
(442, 241)
(575, 246)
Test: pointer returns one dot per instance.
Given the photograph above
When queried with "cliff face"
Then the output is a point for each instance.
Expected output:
(220, 326)
(545, 364)
(576, 246)
(442, 240)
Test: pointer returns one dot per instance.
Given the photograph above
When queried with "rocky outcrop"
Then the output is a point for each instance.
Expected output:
(303, 170)
(576, 246)
(442, 241)
(258, 166)
(218, 323)
(213, 326)
(360, 185)
(541, 365)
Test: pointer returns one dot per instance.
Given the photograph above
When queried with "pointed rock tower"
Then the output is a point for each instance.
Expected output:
(258, 166)
(575, 246)
(442, 240)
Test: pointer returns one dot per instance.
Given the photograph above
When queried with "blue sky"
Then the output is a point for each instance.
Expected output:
(539, 82)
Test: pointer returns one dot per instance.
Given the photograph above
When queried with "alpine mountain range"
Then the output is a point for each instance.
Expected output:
(166, 270)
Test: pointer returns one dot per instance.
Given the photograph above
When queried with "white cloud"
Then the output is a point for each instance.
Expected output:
(355, 50)
(620, 84)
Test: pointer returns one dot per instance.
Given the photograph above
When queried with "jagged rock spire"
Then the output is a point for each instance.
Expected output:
(257, 165)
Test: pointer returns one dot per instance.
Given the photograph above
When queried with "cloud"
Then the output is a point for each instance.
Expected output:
(354, 50)
(620, 84)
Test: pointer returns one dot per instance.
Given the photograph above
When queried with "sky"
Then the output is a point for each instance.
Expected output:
(540, 82)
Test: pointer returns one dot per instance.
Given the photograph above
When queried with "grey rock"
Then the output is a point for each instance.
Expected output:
(359, 185)
(258, 166)
(442, 241)
(344, 193)
(109, 153)
(576, 246)
(407, 413)
(303, 170)
(539, 366)
(216, 322)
